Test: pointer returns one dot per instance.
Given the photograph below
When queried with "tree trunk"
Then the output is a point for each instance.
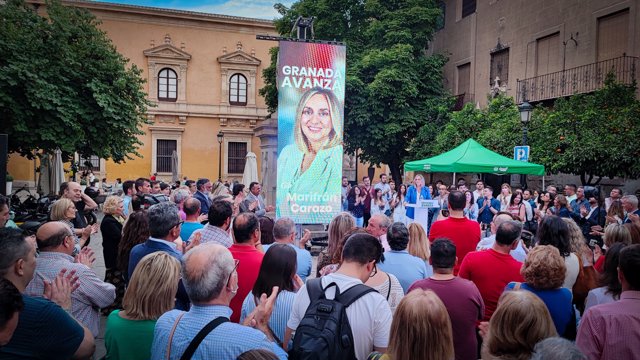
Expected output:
(395, 167)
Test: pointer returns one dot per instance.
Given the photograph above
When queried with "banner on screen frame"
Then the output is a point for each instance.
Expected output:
(311, 82)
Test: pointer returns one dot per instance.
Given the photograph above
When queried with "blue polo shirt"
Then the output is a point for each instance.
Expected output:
(303, 258)
(406, 267)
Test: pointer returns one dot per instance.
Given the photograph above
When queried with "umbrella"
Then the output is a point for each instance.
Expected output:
(174, 167)
(57, 171)
(44, 180)
(250, 170)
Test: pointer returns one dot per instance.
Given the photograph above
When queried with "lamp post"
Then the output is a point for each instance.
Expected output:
(525, 115)
(220, 138)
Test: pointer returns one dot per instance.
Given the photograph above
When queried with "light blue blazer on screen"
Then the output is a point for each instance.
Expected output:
(323, 177)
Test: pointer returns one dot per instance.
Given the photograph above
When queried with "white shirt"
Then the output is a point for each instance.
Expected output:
(369, 317)
(573, 269)
(487, 243)
(598, 296)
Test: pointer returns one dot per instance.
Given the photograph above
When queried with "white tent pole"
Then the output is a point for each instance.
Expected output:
(453, 182)
(543, 187)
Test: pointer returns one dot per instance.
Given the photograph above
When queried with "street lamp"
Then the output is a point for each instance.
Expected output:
(220, 138)
(525, 115)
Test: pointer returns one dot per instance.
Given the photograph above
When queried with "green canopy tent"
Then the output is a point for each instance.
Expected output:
(471, 157)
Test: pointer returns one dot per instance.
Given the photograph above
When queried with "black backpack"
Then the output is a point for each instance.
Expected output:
(324, 332)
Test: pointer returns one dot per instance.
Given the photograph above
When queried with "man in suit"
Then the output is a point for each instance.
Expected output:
(255, 202)
(204, 188)
(164, 228)
(630, 206)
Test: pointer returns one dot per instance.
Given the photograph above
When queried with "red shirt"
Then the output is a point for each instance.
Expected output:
(491, 271)
(250, 260)
(464, 233)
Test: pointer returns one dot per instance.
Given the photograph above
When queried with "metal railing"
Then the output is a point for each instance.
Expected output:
(578, 80)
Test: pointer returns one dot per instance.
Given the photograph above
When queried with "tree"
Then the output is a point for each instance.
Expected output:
(591, 135)
(393, 88)
(64, 85)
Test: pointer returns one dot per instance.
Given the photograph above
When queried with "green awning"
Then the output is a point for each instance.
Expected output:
(471, 157)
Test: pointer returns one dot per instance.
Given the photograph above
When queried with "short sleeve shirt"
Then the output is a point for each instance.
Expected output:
(369, 316)
(44, 331)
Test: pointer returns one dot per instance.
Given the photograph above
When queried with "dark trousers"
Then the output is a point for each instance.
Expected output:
(367, 216)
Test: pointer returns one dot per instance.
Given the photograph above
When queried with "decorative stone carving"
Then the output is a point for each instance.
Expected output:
(237, 123)
(182, 120)
(167, 39)
(223, 121)
(165, 119)
(252, 123)
(239, 46)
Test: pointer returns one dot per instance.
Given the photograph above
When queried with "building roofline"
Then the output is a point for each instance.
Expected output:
(171, 13)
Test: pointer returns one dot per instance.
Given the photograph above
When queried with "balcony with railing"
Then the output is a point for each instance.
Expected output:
(578, 80)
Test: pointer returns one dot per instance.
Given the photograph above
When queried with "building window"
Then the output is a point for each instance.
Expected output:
(499, 67)
(238, 90)
(164, 155)
(167, 85)
(464, 94)
(237, 152)
(89, 163)
(548, 54)
(613, 35)
(468, 7)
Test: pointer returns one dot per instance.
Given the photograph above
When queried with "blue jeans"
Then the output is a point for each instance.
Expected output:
(360, 222)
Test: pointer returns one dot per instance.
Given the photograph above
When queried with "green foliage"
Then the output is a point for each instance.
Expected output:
(393, 88)
(591, 135)
(64, 85)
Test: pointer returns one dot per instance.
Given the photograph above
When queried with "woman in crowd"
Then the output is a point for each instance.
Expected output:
(135, 231)
(238, 199)
(165, 189)
(587, 275)
(419, 243)
(554, 231)
(111, 228)
(397, 203)
(610, 287)
(278, 269)
(308, 166)
(421, 329)
(613, 233)
(615, 214)
(520, 321)
(378, 204)
(64, 210)
(151, 293)
(545, 203)
(179, 196)
(470, 208)
(563, 209)
(266, 230)
(544, 271)
(356, 199)
(516, 207)
(339, 225)
(505, 196)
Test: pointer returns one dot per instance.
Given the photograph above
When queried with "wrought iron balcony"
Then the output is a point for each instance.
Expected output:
(578, 80)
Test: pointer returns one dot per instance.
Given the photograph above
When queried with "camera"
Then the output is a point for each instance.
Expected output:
(147, 200)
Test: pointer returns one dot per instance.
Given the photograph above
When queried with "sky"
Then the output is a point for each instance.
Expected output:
(262, 9)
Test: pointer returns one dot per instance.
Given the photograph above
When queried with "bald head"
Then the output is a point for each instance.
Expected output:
(191, 207)
(499, 220)
(53, 235)
(205, 270)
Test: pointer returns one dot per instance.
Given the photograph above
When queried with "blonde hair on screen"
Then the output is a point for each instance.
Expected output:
(335, 136)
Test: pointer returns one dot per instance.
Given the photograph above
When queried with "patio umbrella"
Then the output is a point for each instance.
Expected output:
(57, 171)
(250, 170)
(174, 166)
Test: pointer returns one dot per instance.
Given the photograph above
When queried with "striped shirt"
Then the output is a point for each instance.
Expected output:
(213, 234)
(86, 301)
(227, 341)
(279, 316)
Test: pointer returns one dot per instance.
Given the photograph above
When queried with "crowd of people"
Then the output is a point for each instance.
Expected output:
(199, 270)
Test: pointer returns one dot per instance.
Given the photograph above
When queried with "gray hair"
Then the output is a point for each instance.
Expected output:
(556, 348)
(223, 197)
(162, 218)
(631, 199)
(283, 228)
(205, 279)
(180, 195)
(385, 222)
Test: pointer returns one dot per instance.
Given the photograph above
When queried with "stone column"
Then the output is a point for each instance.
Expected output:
(267, 131)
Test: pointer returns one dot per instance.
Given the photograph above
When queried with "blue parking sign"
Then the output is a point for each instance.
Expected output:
(521, 153)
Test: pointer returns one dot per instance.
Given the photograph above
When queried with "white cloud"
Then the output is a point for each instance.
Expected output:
(261, 9)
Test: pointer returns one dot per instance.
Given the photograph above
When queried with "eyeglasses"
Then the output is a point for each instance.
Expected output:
(374, 271)
(178, 224)
(235, 267)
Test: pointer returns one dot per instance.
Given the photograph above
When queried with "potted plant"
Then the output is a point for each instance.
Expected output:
(83, 184)
(9, 184)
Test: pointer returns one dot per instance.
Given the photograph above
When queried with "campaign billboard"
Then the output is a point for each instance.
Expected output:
(311, 85)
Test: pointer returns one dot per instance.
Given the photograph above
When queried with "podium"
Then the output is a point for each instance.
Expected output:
(421, 212)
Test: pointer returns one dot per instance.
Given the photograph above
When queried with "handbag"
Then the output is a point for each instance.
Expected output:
(586, 281)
